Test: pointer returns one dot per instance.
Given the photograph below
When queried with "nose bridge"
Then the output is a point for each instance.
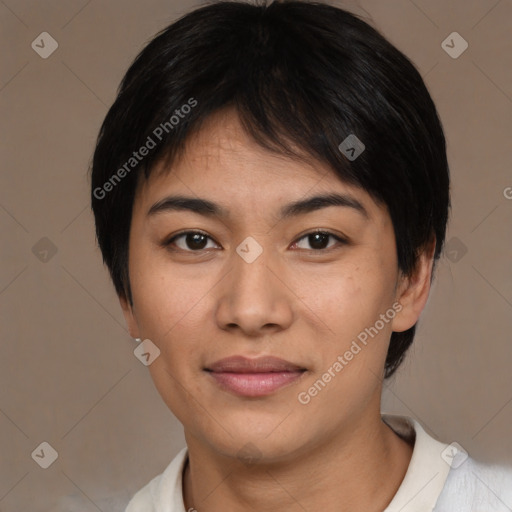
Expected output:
(253, 297)
(250, 268)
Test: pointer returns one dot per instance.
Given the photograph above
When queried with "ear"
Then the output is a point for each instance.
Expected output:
(412, 292)
(129, 317)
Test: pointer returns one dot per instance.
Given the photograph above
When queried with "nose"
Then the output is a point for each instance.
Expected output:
(254, 298)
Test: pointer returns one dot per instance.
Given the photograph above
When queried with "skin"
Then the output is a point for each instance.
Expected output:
(293, 302)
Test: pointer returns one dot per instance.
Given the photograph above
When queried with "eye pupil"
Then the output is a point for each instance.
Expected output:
(196, 240)
(319, 240)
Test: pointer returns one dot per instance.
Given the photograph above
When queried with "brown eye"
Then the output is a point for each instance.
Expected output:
(190, 241)
(319, 240)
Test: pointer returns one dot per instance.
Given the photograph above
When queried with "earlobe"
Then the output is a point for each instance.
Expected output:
(413, 291)
(129, 317)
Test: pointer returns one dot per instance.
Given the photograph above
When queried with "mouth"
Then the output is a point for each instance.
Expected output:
(254, 377)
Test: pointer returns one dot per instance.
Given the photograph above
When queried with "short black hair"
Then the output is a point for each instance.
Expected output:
(298, 74)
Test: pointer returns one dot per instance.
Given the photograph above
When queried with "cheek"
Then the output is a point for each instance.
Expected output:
(170, 311)
(347, 297)
(167, 299)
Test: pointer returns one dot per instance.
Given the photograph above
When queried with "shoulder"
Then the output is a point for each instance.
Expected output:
(164, 492)
(144, 498)
(474, 486)
(442, 477)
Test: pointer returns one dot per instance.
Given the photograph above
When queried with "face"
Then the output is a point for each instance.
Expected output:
(258, 279)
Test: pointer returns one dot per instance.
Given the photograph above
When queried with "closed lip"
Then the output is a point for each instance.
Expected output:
(263, 364)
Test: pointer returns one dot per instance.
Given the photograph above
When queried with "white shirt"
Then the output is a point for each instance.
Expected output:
(439, 478)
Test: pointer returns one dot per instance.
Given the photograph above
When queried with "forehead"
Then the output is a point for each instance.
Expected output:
(221, 161)
(222, 144)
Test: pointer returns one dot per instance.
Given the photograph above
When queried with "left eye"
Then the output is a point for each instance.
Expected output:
(318, 240)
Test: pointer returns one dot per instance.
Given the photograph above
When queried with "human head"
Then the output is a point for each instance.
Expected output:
(302, 76)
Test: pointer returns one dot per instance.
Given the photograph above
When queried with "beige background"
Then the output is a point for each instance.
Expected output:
(67, 369)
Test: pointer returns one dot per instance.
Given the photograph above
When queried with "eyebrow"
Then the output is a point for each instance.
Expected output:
(210, 209)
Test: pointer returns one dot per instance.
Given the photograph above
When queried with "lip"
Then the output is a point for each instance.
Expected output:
(263, 364)
(254, 377)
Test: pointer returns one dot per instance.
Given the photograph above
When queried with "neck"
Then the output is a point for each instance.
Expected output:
(359, 469)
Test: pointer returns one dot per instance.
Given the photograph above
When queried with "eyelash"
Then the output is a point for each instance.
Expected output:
(340, 240)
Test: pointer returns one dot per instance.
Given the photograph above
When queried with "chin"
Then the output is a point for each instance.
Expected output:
(256, 442)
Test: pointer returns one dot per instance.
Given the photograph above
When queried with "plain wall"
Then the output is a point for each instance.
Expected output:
(67, 370)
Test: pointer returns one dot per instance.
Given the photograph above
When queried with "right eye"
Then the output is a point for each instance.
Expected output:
(189, 241)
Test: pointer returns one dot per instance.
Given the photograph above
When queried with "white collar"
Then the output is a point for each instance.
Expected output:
(427, 471)
(418, 492)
